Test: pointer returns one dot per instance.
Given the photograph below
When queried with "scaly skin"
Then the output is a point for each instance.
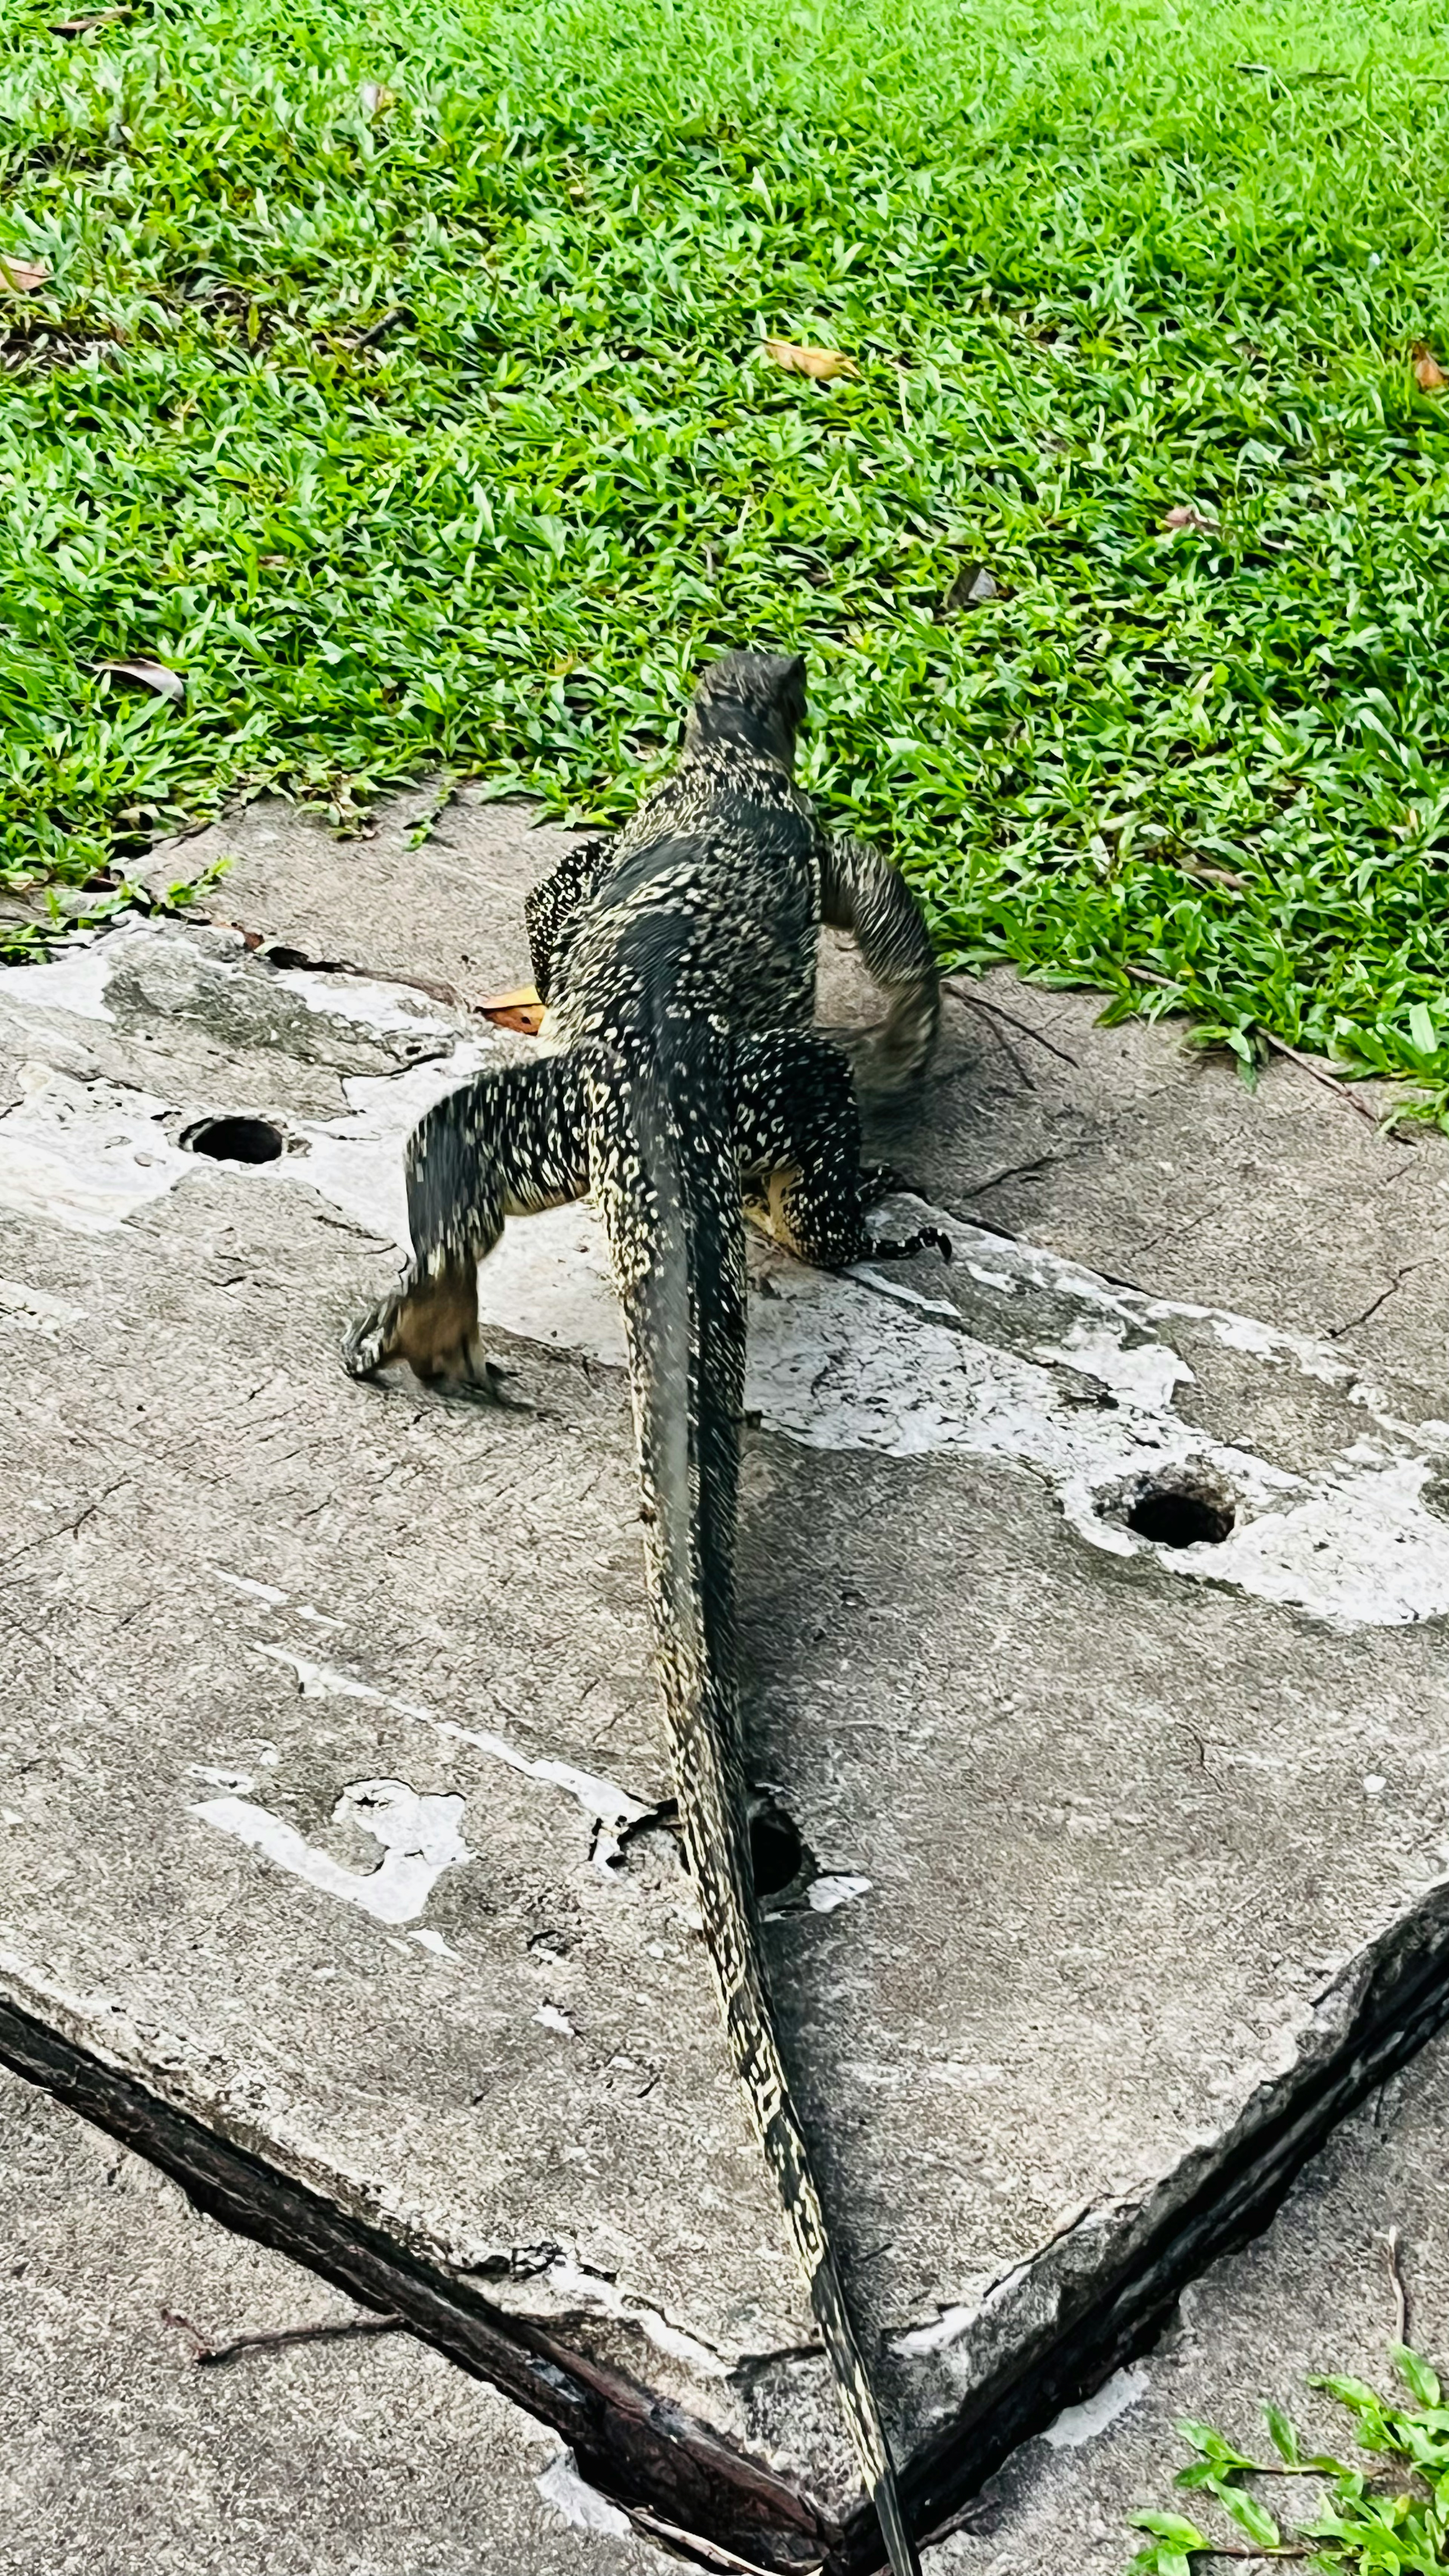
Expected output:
(682, 1078)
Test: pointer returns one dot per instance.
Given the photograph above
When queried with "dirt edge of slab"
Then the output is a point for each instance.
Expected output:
(1379, 2011)
(1104, 2307)
(635, 2447)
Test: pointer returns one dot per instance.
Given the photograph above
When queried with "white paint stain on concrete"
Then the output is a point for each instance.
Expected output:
(835, 1888)
(248, 1584)
(32, 1311)
(387, 1009)
(420, 1838)
(1146, 1375)
(939, 2335)
(861, 1362)
(1078, 2425)
(1353, 1543)
(571, 2284)
(606, 1805)
(327, 1681)
(357, 1161)
(570, 2496)
(74, 981)
(83, 1155)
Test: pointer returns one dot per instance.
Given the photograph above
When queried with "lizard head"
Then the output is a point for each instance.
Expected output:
(754, 699)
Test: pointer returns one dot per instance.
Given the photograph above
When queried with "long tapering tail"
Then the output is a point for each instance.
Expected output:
(664, 1173)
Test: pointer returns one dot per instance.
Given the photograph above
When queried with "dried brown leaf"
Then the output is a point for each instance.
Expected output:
(1183, 515)
(521, 1010)
(91, 18)
(823, 365)
(22, 276)
(1428, 374)
(149, 675)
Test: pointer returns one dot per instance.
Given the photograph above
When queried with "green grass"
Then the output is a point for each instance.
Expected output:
(1089, 270)
(1388, 2520)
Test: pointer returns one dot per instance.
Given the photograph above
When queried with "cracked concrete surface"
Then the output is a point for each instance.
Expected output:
(1311, 2295)
(376, 2458)
(1144, 1843)
(372, 2458)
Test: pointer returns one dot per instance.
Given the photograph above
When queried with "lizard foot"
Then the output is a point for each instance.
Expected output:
(881, 1181)
(433, 1325)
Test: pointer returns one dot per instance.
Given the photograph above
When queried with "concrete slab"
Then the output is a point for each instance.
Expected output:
(1313, 2294)
(338, 1879)
(349, 2458)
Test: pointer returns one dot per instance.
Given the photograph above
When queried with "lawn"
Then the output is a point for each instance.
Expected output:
(398, 380)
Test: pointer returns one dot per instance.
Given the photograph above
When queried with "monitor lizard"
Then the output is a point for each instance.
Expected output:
(678, 1080)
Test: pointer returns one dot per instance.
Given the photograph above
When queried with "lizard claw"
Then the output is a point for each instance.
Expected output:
(367, 1344)
(929, 1239)
(432, 1323)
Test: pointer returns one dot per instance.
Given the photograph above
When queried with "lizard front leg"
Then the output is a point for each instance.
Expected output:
(506, 1144)
(860, 893)
(551, 908)
(798, 1137)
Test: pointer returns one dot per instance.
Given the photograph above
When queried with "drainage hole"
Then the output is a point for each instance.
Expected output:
(776, 1849)
(235, 1140)
(1175, 1517)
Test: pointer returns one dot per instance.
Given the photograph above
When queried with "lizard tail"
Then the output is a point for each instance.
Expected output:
(665, 1176)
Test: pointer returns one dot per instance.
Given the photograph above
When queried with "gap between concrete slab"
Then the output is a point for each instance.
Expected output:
(671, 2470)
(637, 2450)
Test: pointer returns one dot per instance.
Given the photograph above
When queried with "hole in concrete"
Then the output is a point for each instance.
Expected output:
(1181, 1516)
(651, 1849)
(776, 1849)
(235, 1140)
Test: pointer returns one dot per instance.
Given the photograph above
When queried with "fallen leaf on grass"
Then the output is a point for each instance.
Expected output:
(824, 365)
(521, 1010)
(22, 276)
(1183, 515)
(149, 675)
(1428, 374)
(1228, 877)
(373, 98)
(83, 25)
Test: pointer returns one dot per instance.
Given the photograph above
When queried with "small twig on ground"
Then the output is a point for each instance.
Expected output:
(707, 2553)
(1004, 1042)
(207, 2355)
(278, 954)
(1305, 1063)
(976, 1002)
(1230, 2549)
(1397, 2284)
(394, 314)
(1330, 1081)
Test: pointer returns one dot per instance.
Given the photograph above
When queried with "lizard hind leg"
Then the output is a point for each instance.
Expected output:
(508, 1143)
(798, 1138)
(798, 1133)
